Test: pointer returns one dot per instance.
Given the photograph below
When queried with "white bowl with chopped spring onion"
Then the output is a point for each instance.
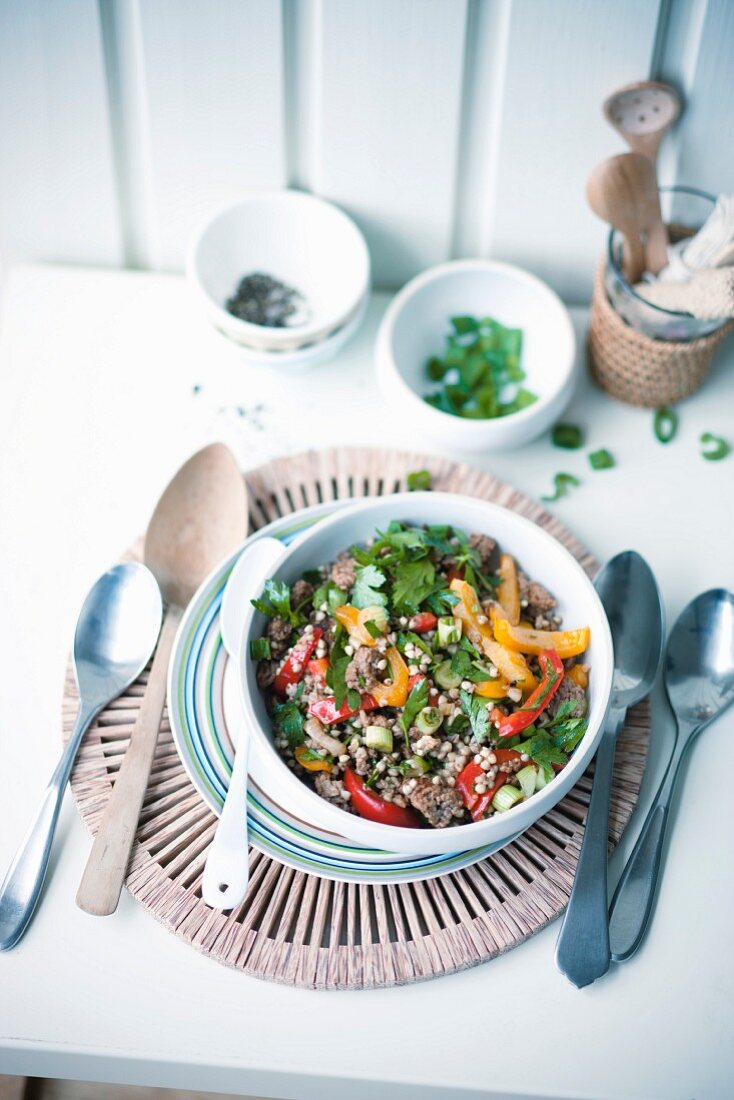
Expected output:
(448, 327)
(542, 557)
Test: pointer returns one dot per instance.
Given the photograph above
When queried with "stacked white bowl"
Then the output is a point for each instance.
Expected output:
(302, 241)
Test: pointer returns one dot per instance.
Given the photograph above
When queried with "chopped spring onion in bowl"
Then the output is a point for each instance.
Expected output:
(480, 371)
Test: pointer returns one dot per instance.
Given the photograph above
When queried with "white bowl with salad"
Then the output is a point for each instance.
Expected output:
(480, 355)
(408, 705)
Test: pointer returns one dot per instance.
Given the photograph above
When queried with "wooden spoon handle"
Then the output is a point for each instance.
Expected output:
(104, 874)
(633, 258)
(656, 247)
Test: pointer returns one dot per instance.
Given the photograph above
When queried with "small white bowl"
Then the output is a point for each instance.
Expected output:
(415, 327)
(306, 242)
(540, 556)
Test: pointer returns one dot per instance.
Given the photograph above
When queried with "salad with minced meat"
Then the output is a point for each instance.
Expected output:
(421, 679)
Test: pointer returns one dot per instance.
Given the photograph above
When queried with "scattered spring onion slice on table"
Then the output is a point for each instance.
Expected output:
(665, 424)
(561, 483)
(715, 448)
(568, 436)
(601, 459)
(480, 371)
(418, 479)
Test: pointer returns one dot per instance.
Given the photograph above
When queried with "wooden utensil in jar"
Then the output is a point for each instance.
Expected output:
(643, 113)
(623, 191)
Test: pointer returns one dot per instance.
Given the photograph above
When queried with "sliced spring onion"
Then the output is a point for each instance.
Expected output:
(378, 737)
(540, 780)
(568, 436)
(601, 459)
(428, 720)
(561, 483)
(375, 616)
(505, 798)
(419, 764)
(260, 649)
(419, 479)
(526, 777)
(445, 677)
(716, 448)
(449, 630)
(665, 424)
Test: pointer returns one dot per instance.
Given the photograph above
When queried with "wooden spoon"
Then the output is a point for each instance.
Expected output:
(623, 191)
(199, 520)
(643, 113)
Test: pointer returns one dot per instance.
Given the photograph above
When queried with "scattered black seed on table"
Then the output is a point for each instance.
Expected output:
(262, 300)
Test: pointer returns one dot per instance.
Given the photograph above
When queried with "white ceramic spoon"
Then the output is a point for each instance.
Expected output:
(226, 872)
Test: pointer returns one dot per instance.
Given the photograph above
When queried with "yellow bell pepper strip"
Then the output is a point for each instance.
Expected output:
(312, 761)
(579, 674)
(551, 666)
(394, 694)
(509, 589)
(566, 643)
(492, 689)
(349, 617)
(512, 667)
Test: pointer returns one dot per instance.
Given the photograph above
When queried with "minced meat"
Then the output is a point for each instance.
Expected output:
(437, 803)
(278, 632)
(567, 689)
(485, 548)
(301, 592)
(344, 573)
(362, 669)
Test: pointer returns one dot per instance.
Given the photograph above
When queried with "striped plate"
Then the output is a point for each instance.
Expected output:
(198, 716)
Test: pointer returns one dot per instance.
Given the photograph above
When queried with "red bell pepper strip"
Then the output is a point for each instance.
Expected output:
(507, 756)
(465, 783)
(317, 666)
(328, 714)
(478, 804)
(370, 805)
(423, 622)
(294, 666)
(552, 669)
(480, 807)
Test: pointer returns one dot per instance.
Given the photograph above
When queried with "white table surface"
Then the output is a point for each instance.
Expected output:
(96, 412)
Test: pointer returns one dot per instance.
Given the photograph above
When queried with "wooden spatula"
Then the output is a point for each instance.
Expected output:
(199, 520)
(623, 191)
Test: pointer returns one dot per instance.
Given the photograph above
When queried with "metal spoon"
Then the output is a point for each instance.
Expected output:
(227, 871)
(199, 520)
(699, 680)
(632, 602)
(115, 635)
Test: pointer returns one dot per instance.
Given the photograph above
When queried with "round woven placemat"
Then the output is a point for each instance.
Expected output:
(303, 930)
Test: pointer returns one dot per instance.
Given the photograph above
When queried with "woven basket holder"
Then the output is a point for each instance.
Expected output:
(640, 371)
(303, 930)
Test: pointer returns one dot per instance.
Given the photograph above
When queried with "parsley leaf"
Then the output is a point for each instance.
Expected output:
(289, 719)
(414, 704)
(275, 602)
(412, 582)
(365, 592)
(543, 750)
(475, 708)
(331, 595)
(409, 636)
(463, 665)
(336, 672)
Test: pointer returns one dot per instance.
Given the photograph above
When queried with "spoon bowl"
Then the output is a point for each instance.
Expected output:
(643, 113)
(629, 592)
(699, 667)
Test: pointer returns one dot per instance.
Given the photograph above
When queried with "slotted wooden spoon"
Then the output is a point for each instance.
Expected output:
(199, 520)
(643, 113)
(623, 191)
